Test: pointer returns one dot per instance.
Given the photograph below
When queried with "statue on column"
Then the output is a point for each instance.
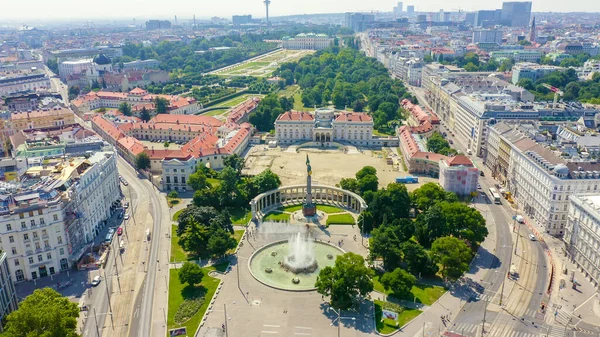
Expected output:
(309, 208)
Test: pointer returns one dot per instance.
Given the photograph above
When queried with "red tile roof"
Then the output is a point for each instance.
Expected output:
(293, 115)
(108, 127)
(353, 117)
(186, 119)
(459, 160)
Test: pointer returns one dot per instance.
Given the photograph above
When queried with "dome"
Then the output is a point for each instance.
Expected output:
(102, 59)
(561, 169)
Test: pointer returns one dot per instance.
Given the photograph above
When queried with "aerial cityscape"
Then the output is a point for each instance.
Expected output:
(260, 168)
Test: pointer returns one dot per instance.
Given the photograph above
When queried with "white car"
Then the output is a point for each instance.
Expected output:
(532, 237)
(96, 281)
(126, 217)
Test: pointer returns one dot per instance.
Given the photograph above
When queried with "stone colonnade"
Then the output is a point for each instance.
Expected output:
(328, 195)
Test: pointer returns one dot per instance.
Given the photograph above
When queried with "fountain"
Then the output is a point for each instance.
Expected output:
(292, 264)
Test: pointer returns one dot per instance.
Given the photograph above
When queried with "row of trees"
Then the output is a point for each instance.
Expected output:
(574, 90)
(438, 144)
(346, 78)
(268, 109)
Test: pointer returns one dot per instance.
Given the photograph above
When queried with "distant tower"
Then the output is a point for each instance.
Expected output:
(532, 31)
(194, 20)
(175, 20)
(267, 3)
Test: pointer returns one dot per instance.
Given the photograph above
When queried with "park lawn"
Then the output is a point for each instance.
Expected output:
(240, 216)
(288, 91)
(424, 293)
(176, 215)
(324, 208)
(381, 134)
(235, 101)
(387, 326)
(237, 235)
(277, 216)
(177, 252)
(215, 112)
(340, 219)
(298, 102)
(178, 292)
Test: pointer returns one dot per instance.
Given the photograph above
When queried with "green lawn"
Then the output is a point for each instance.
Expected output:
(177, 253)
(425, 294)
(176, 215)
(324, 208)
(298, 102)
(340, 219)
(240, 216)
(288, 91)
(215, 112)
(382, 134)
(179, 292)
(387, 325)
(235, 101)
(237, 235)
(277, 216)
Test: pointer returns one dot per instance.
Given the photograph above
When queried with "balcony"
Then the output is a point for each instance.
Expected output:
(29, 252)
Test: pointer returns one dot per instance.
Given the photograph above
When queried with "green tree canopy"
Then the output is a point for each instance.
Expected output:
(365, 171)
(198, 180)
(145, 114)
(346, 282)
(235, 162)
(161, 105)
(430, 194)
(453, 255)
(142, 161)
(417, 260)
(399, 281)
(44, 313)
(125, 108)
(431, 225)
(190, 273)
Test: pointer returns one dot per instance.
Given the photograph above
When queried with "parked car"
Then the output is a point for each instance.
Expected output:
(481, 173)
(119, 231)
(96, 281)
(126, 205)
(126, 217)
(532, 237)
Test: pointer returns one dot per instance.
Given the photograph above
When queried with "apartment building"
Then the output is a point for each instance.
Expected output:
(582, 234)
(18, 81)
(532, 71)
(540, 181)
(8, 295)
(42, 118)
(50, 217)
(517, 55)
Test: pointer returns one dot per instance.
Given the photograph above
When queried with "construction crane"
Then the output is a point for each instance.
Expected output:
(556, 92)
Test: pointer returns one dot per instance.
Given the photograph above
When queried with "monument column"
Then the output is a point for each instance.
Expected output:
(309, 208)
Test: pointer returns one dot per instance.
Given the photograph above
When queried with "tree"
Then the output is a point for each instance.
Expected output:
(400, 282)
(142, 161)
(367, 170)
(43, 313)
(74, 91)
(385, 244)
(161, 105)
(526, 83)
(125, 108)
(347, 281)
(453, 255)
(145, 114)
(436, 143)
(220, 242)
(198, 180)
(265, 181)
(228, 189)
(366, 221)
(173, 195)
(235, 162)
(416, 259)
(464, 222)
(205, 215)
(430, 194)
(368, 183)
(431, 225)
(190, 273)
(53, 65)
(349, 184)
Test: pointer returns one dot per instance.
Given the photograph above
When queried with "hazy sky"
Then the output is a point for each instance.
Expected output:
(81, 9)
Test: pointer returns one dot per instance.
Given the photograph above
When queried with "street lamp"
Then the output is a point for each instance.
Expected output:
(339, 319)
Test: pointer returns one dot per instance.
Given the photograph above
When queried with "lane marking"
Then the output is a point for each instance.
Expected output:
(303, 327)
(271, 326)
(302, 333)
(273, 332)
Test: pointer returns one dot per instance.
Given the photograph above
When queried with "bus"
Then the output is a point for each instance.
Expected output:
(495, 195)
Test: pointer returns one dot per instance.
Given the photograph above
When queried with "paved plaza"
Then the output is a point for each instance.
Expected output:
(329, 165)
(254, 309)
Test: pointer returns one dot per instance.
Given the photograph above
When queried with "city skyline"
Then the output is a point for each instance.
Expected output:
(184, 8)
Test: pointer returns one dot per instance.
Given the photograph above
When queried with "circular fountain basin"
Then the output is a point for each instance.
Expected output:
(265, 266)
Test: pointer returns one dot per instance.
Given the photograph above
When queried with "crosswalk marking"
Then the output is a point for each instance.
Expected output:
(555, 331)
(473, 330)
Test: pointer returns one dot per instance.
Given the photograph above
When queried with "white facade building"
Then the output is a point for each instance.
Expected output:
(458, 175)
(582, 236)
(308, 41)
(325, 125)
(67, 68)
(53, 215)
(487, 36)
(22, 81)
(532, 71)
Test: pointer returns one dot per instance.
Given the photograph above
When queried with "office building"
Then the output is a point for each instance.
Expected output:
(239, 20)
(518, 55)
(67, 68)
(532, 71)
(21, 81)
(487, 36)
(581, 234)
(487, 18)
(398, 10)
(516, 13)
(141, 64)
(309, 41)
(158, 24)
(358, 21)
(410, 10)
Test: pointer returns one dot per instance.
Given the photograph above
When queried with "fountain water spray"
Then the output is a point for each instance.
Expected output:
(301, 255)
